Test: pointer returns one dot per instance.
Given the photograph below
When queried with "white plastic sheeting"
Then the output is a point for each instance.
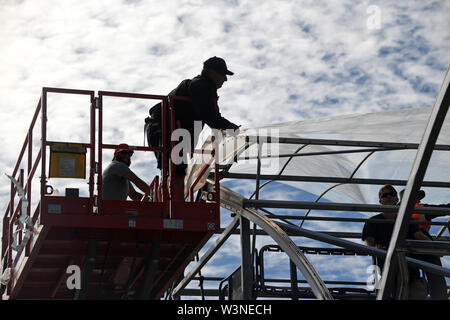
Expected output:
(401, 126)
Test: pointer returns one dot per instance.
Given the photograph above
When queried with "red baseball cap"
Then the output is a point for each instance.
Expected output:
(123, 147)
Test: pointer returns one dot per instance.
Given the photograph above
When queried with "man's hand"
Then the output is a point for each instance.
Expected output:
(419, 235)
(134, 195)
(232, 126)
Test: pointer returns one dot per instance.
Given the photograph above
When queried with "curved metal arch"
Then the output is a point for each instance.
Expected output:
(281, 171)
(234, 202)
(338, 184)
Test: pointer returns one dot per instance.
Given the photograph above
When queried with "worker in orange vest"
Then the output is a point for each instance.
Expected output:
(425, 218)
(437, 283)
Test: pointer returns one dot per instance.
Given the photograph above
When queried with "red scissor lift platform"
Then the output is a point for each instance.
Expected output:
(119, 249)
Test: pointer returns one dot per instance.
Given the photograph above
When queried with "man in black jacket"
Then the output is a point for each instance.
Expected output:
(202, 108)
(377, 233)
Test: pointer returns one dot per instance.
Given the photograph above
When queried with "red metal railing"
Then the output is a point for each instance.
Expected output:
(11, 210)
(101, 95)
(14, 211)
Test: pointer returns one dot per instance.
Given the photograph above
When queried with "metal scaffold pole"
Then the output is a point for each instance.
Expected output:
(395, 257)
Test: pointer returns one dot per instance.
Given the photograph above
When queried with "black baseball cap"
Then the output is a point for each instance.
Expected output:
(217, 64)
(420, 195)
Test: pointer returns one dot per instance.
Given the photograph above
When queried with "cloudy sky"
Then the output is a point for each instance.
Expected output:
(292, 60)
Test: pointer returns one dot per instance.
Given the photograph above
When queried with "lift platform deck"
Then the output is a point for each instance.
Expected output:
(118, 250)
(89, 248)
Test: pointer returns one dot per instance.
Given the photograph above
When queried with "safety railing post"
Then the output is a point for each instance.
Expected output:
(21, 174)
(246, 263)
(215, 156)
(27, 188)
(29, 170)
(100, 153)
(43, 144)
(5, 228)
(10, 237)
(164, 169)
(172, 169)
(294, 280)
(92, 152)
(217, 187)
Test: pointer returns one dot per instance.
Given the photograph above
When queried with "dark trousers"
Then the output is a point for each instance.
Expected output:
(154, 138)
(437, 284)
(416, 291)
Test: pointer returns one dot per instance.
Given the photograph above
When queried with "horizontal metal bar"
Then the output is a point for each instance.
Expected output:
(340, 293)
(134, 148)
(337, 234)
(250, 176)
(67, 91)
(348, 143)
(206, 278)
(334, 282)
(286, 295)
(49, 143)
(359, 248)
(343, 235)
(131, 95)
(342, 219)
(282, 204)
(312, 250)
(428, 247)
(259, 232)
(199, 293)
(323, 153)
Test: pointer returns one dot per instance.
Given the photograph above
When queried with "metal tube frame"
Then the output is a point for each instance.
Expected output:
(341, 180)
(395, 257)
(102, 146)
(13, 210)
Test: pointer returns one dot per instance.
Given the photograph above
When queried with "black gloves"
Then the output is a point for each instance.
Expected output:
(233, 126)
